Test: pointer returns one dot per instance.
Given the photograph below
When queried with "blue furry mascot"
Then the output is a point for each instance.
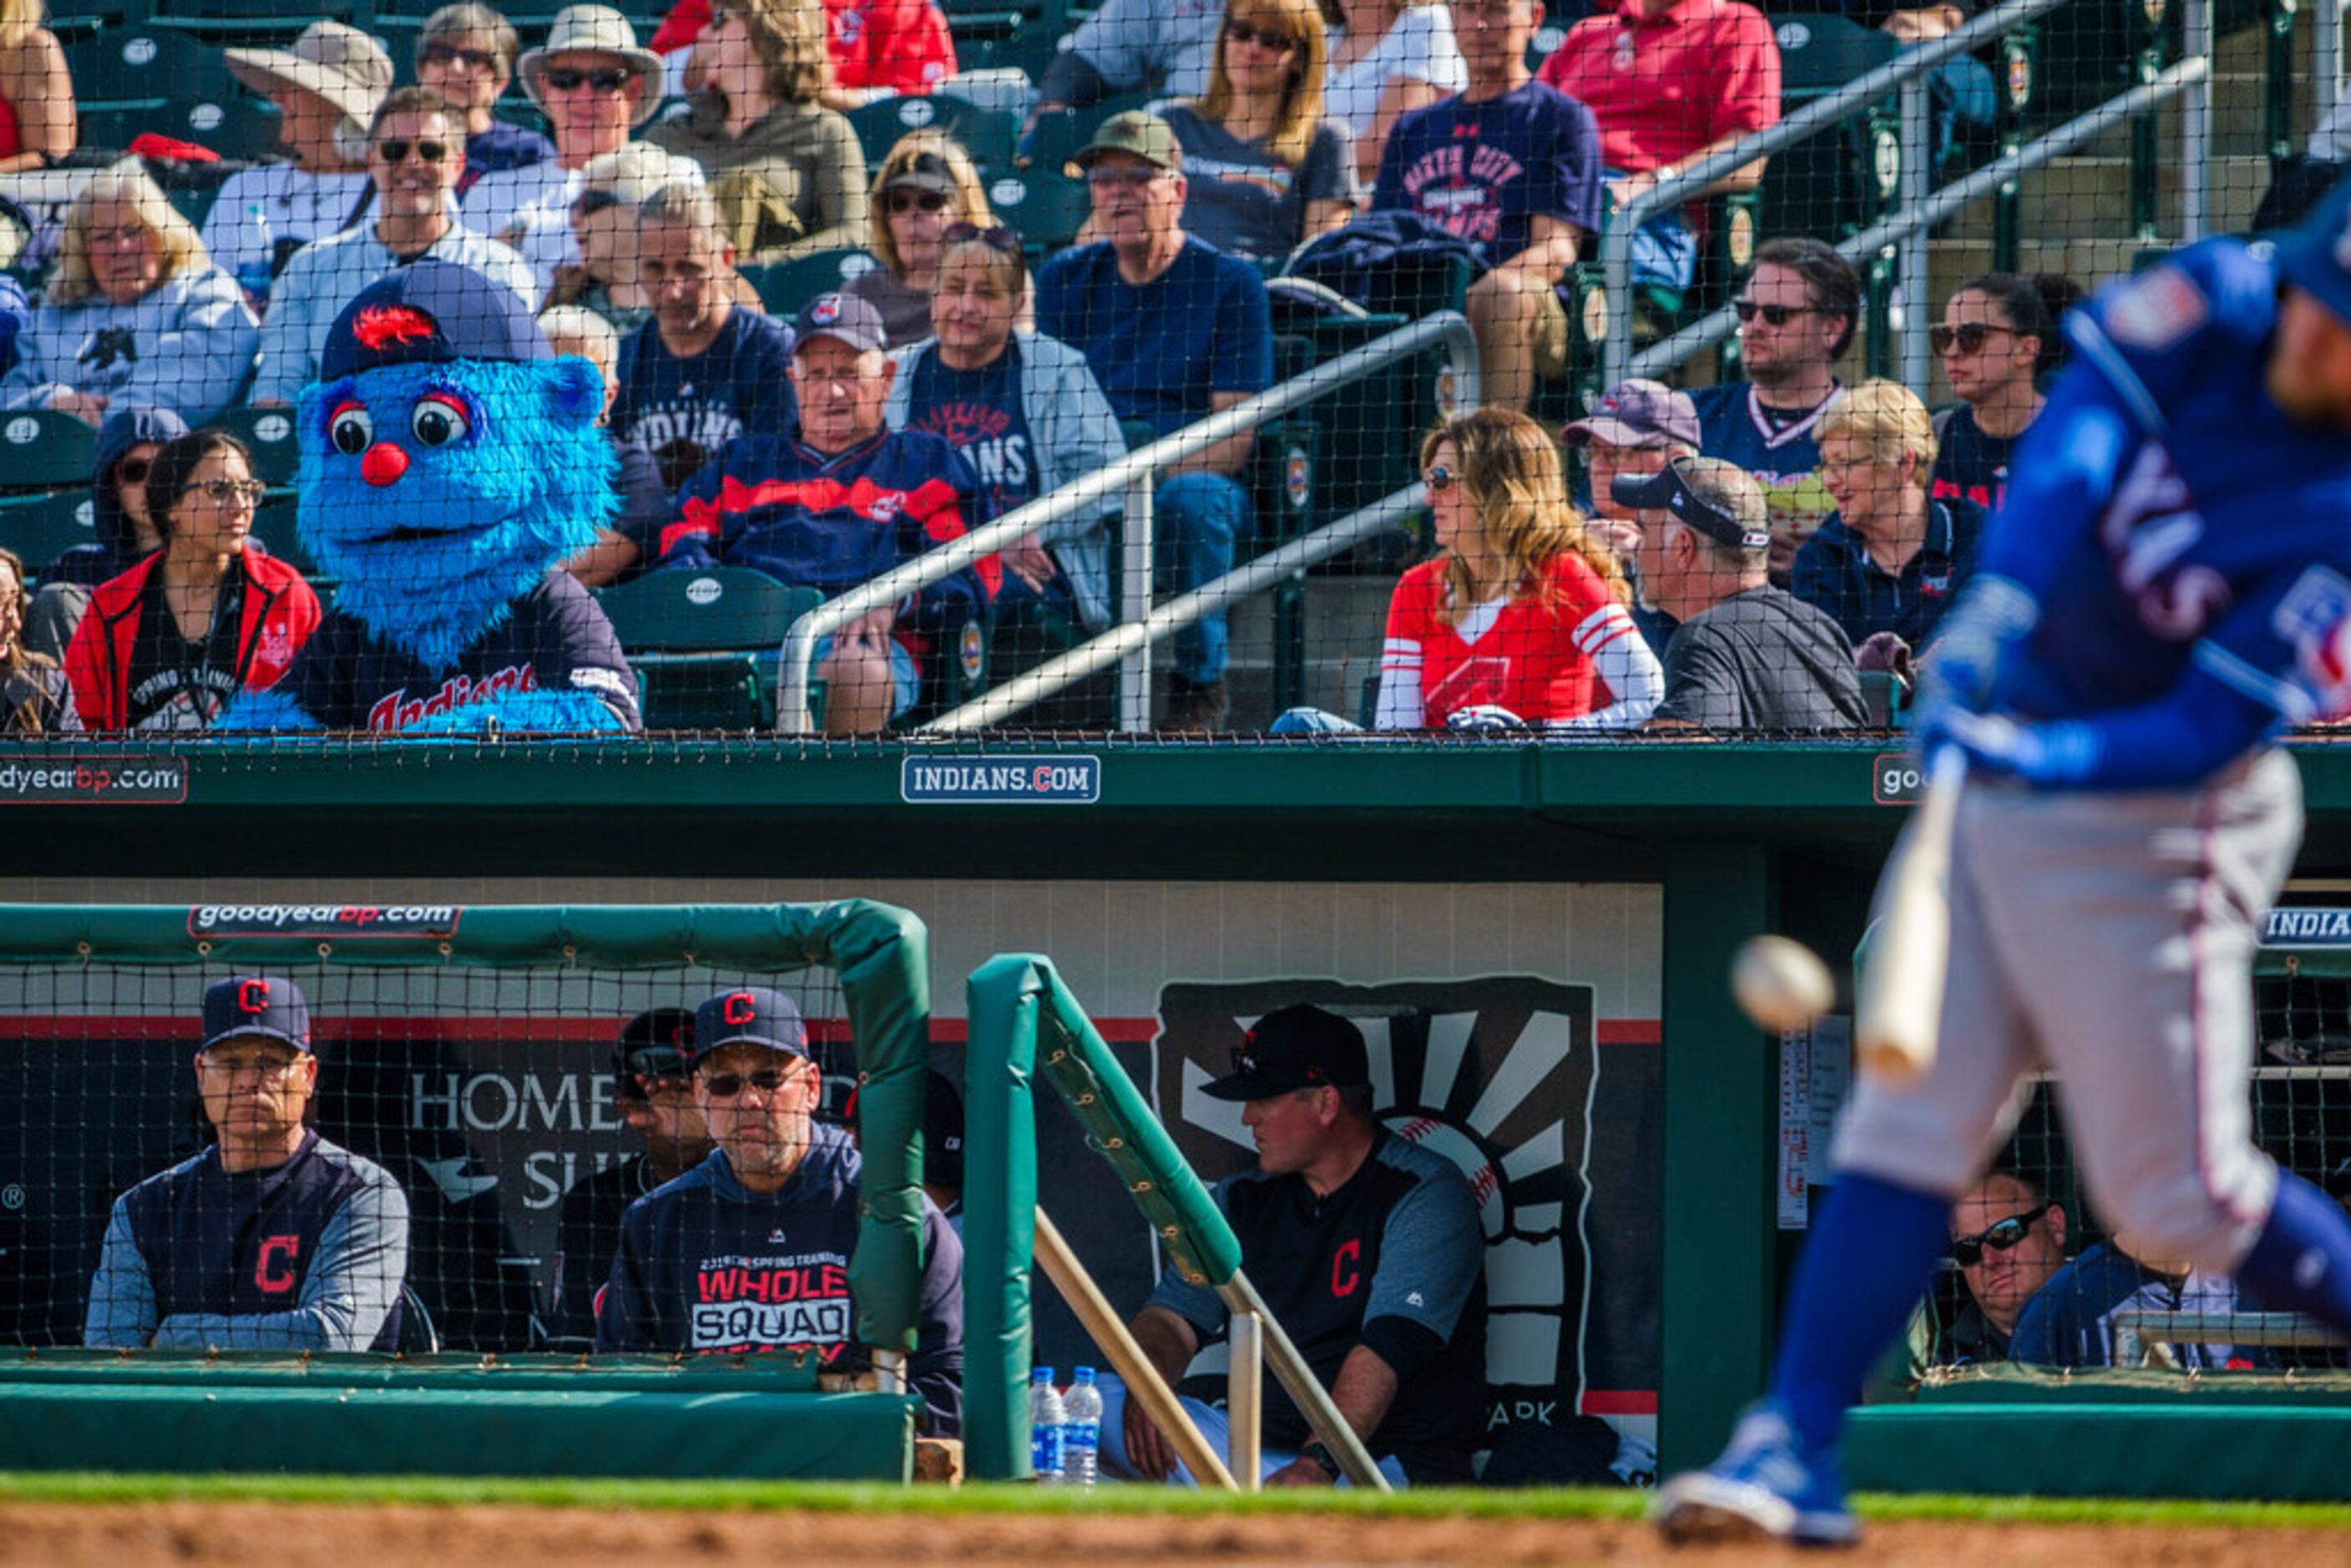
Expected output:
(450, 463)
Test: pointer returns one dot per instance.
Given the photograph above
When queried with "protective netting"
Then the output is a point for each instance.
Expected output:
(736, 212)
(512, 1114)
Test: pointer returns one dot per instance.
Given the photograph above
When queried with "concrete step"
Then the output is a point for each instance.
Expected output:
(2080, 198)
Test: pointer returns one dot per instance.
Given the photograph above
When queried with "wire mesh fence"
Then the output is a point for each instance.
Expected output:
(852, 282)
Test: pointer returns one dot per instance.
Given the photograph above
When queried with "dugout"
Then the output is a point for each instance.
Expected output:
(1646, 865)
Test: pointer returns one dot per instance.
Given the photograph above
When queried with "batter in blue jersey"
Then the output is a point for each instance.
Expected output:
(2166, 587)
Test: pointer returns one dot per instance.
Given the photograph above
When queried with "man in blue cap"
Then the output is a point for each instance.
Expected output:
(273, 1238)
(749, 1250)
(2166, 589)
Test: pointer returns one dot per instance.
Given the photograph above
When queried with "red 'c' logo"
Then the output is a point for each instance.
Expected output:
(739, 1009)
(253, 995)
(274, 1272)
(1344, 1277)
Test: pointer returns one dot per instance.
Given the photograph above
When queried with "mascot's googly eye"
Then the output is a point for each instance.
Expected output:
(437, 421)
(351, 428)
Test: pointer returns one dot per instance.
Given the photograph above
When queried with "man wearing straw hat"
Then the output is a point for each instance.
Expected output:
(326, 88)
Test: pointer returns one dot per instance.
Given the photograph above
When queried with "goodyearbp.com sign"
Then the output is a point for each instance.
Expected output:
(110, 780)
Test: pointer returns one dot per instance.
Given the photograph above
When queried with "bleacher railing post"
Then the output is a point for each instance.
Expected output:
(2195, 124)
(1915, 288)
(1134, 602)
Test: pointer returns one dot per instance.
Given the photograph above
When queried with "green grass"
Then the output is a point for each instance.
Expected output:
(1564, 1503)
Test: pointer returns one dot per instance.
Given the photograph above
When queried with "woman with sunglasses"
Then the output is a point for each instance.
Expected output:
(167, 644)
(125, 534)
(925, 186)
(1267, 171)
(136, 312)
(1027, 412)
(467, 54)
(1992, 341)
(32, 691)
(787, 172)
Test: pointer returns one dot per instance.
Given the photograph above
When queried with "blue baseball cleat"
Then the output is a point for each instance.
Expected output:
(1765, 1484)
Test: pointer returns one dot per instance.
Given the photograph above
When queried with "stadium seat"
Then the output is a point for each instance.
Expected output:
(268, 434)
(143, 68)
(274, 524)
(1831, 183)
(784, 287)
(272, 24)
(987, 134)
(1043, 204)
(43, 449)
(41, 527)
(704, 645)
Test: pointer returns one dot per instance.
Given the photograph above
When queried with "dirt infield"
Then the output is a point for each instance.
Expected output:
(507, 1536)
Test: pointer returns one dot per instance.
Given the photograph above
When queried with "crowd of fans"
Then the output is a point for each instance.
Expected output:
(722, 142)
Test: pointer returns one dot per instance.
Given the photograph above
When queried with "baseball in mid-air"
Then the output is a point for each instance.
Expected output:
(1781, 983)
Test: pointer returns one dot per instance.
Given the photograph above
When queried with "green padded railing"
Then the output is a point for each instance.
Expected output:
(881, 954)
(1021, 1016)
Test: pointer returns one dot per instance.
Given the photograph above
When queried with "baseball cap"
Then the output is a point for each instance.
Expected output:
(749, 1015)
(843, 316)
(924, 172)
(654, 1044)
(430, 312)
(1640, 413)
(1296, 1047)
(1669, 490)
(2316, 257)
(270, 1005)
(1144, 135)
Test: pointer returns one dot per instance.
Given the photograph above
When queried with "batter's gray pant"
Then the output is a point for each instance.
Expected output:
(2108, 937)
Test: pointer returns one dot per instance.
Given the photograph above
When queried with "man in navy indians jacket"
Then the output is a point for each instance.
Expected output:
(749, 1250)
(273, 1238)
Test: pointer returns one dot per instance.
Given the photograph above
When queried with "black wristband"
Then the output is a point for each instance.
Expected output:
(1313, 1448)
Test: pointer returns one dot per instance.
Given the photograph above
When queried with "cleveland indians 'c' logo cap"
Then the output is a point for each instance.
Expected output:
(269, 1007)
(748, 1015)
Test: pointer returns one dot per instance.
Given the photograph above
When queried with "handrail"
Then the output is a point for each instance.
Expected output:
(1101, 652)
(1710, 329)
(1616, 242)
(1444, 328)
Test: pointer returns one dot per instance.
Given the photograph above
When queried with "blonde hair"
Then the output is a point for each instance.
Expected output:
(73, 281)
(635, 171)
(20, 20)
(580, 325)
(1887, 418)
(1302, 100)
(971, 195)
(1511, 472)
(788, 37)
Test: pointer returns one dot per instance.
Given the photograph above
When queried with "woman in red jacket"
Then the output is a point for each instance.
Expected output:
(166, 645)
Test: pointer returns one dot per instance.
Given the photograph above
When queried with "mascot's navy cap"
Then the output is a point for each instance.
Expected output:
(2316, 257)
(430, 312)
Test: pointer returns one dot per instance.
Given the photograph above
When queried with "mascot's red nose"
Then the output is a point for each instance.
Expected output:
(383, 464)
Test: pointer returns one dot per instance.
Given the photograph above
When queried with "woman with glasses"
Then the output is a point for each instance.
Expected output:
(1267, 171)
(1995, 333)
(136, 313)
(925, 186)
(1027, 412)
(1387, 58)
(787, 172)
(1891, 558)
(467, 54)
(31, 689)
(170, 642)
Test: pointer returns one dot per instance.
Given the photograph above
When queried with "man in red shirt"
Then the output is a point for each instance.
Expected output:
(1671, 82)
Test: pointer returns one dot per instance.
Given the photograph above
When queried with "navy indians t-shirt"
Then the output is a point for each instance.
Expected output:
(683, 410)
(980, 412)
(1970, 464)
(556, 639)
(1483, 170)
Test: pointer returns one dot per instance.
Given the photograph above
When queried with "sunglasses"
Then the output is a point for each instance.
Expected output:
(450, 54)
(1968, 1250)
(917, 202)
(131, 471)
(396, 149)
(1131, 178)
(1969, 339)
(1439, 479)
(1243, 33)
(1773, 315)
(611, 80)
(727, 1085)
(996, 238)
(227, 492)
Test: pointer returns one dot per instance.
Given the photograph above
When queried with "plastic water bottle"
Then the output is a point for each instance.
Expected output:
(259, 249)
(1082, 1417)
(1046, 1418)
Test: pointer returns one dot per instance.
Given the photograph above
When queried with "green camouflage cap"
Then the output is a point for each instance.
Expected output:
(1146, 136)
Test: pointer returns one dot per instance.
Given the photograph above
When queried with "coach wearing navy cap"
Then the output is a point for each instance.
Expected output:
(749, 1251)
(1370, 1246)
(273, 1238)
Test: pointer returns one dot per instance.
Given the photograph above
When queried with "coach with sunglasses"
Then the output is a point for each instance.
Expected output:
(416, 153)
(2007, 1240)
(749, 1250)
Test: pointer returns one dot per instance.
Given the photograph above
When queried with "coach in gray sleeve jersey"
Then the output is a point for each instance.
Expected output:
(1367, 1249)
(273, 1238)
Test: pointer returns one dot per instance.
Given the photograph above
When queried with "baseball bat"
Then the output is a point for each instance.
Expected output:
(1902, 987)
